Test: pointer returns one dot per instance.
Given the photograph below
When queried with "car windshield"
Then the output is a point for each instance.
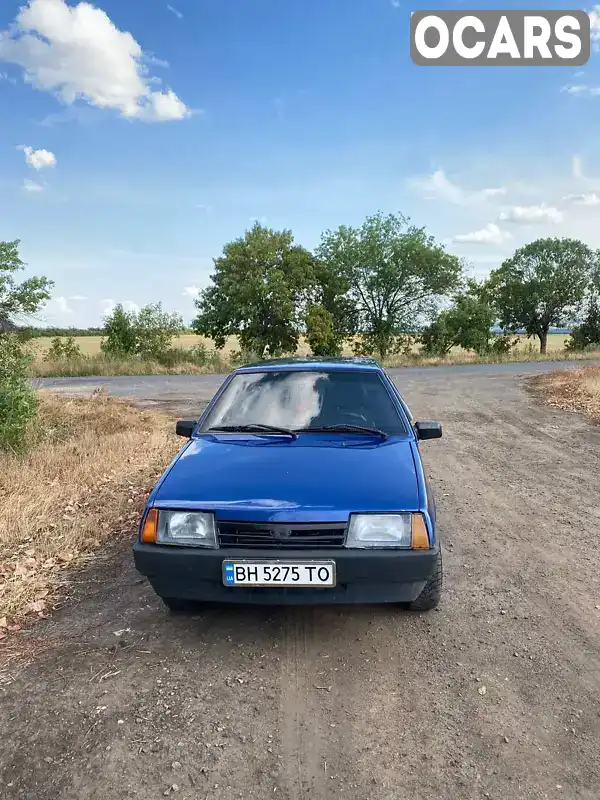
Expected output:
(300, 400)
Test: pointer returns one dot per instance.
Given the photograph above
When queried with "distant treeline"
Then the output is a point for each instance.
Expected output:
(38, 333)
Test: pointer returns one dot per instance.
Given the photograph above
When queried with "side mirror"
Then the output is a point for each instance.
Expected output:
(428, 430)
(185, 427)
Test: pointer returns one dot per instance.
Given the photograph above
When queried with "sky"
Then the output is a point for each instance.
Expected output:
(138, 137)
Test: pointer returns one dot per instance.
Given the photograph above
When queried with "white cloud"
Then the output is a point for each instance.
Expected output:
(77, 297)
(438, 186)
(577, 167)
(581, 89)
(77, 53)
(191, 291)
(532, 214)
(595, 25)
(129, 305)
(490, 234)
(38, 159)
(177, 13)
(108, 306)
(32, 186)
(591, 199)
(63, 305)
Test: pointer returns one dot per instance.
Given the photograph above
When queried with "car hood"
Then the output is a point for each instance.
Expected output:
(255, 478)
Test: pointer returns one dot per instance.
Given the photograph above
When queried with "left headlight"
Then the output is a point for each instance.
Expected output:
(188, 528)
(380, 530)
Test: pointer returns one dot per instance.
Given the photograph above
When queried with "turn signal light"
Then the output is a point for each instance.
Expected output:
(419, 535)
(150, 527)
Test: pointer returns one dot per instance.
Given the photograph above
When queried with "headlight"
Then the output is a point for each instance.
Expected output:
(189, 528)
(380, 530)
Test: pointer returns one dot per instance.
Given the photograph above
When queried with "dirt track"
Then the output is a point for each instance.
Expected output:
(353, 702)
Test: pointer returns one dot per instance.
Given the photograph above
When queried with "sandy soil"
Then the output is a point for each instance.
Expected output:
(495, 695)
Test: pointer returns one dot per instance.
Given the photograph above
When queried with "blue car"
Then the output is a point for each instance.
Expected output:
(301, 483)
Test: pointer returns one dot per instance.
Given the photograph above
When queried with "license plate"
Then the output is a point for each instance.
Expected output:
(318, 574)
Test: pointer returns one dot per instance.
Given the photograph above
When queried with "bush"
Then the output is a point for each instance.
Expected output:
(119, 330)
(18, 401)
(63, 350)
(437, 338)
(154, 331)
(503, 344)
(587, 335)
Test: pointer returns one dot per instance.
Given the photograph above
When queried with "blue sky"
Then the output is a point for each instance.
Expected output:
(136, 138)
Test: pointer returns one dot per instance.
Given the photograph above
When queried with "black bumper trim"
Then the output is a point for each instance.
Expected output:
(362, 576)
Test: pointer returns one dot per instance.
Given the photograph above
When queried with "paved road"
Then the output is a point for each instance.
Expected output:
(188, 394)
(495, 695)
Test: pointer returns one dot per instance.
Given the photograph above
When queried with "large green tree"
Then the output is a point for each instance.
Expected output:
(259, 293)
(18, 299)
(467, 324)
(544, 284)
(395, 272)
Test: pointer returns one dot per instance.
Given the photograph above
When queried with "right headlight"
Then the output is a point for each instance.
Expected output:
(400, 531)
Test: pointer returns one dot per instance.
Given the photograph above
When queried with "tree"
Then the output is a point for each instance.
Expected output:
(321, 335)
(466, 324)
(395, 272)
(147, 333)
(259, 293)
(543, 285)
(438, 337)
(18, 299)
(120, 335)
(18, 401)
(587, 334)
(154, 331)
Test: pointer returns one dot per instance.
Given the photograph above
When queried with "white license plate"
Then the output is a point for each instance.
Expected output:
(279, 573)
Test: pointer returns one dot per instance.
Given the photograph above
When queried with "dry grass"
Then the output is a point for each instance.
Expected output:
(96, 365)
(88, 471)
(572, 390)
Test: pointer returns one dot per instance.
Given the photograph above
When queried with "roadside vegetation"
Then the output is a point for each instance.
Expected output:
(386, 289)
(81, 476)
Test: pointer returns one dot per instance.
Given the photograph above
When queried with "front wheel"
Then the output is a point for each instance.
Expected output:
(432, 591)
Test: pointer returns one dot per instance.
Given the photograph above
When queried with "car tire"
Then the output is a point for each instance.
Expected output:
(432, 591)
(178, 606)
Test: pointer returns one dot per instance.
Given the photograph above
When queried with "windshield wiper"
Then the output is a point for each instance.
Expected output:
(346, 428)
(253, 428)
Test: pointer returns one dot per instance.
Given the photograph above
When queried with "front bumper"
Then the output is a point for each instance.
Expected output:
(363, 576)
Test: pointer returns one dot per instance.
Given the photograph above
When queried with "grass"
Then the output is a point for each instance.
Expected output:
(575, 389)
(85, 479)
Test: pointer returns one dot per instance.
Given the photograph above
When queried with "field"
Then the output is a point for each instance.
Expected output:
(90, 345)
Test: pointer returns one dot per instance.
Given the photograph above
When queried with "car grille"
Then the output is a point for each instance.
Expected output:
(281, 537)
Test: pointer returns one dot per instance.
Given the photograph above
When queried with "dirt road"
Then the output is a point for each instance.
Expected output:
(495, 695)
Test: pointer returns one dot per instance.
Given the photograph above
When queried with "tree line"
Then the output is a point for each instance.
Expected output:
(387, 285)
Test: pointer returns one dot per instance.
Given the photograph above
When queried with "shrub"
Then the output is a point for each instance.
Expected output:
(321, 335)
(63, 350)
(587, 335)
(119, 330)
(503, 344)
(18, 401)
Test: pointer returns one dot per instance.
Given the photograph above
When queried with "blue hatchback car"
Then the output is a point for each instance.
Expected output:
(301, 483)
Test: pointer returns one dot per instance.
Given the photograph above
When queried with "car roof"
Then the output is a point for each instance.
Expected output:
(307, 363)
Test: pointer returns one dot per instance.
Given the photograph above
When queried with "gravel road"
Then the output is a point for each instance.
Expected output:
(495, 695)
